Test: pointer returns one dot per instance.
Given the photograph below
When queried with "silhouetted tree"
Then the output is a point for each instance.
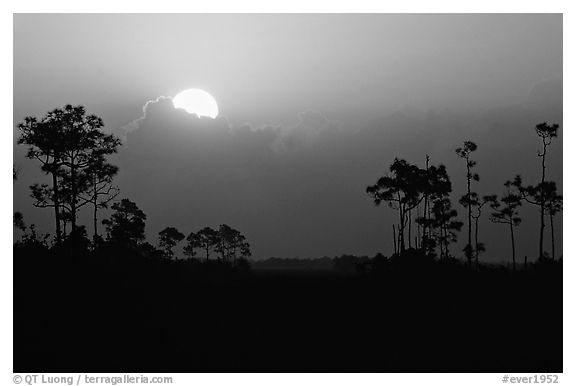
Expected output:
(149, 250)
(78, 241)
(437, 187)
(402, 190)
(423, 220)
(546, 132)
(127, 223)
(83, 144)
(18, 221)
(169, 237)
(478, 205)
(46, 196)
(444, 220)
(66, 218)
(245, 250)
(540, 195)
(193, 242)
(100, 192)
(208, 240)
(65, 141)
(231, 243)
(32, 239)
(467, 200)
(225, 236)
(44, 142)
(505, 211)
(537, 195)
(553, 206)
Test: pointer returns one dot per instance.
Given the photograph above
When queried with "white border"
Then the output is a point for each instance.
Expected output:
(294, 6)
(298, 6)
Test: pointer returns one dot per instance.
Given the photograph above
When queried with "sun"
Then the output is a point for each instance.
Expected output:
(196, 101)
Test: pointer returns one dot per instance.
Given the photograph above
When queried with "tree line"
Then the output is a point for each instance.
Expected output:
(421, 196)
(72, 149)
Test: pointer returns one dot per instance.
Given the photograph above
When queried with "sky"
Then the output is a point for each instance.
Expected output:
(313, 108)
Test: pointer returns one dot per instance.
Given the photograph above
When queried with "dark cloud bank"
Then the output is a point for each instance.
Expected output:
(300, 191)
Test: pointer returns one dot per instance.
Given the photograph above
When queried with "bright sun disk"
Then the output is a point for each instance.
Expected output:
(196, 101)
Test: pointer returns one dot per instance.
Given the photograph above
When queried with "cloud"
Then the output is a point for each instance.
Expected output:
(310, 126)
(135, 124)
(307, 129)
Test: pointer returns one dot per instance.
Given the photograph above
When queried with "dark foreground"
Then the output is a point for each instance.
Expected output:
(129, 315)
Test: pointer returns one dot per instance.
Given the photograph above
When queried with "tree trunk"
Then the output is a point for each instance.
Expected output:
(417, 238)
(394, 235)
(468, 198)
(446, 250)
(401, 230)
(73, 199)
(95, 220)
(552, 232)
(95, 198)
(441, 242)
(424, 243)
(541, 245)
(542, 201)
(56, 200)
(409, 229)
(402, 227)
(513, 246)
(476, 242)
(430, 231)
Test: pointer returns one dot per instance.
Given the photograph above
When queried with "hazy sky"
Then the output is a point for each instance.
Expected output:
(313, 109)
(265, 68)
